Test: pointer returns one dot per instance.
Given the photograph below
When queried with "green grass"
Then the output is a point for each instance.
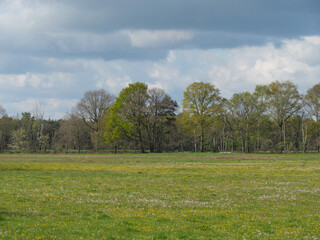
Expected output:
(160, 196)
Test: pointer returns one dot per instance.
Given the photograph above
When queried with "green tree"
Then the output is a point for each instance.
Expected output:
(201, 102)
(26, 122)
(160, 113)
(245, 109)
(312, 100)
(6, 128)
(19, 140)
(127, 116)
(141, 115)
(284, 101)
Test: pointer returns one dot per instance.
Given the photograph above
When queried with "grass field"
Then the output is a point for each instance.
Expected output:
(160, 196)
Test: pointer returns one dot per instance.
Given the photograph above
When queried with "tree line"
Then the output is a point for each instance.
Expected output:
(273, 118)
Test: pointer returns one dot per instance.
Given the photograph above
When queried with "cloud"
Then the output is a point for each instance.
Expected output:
(51, 106)
(153, 39)
(21, 15)
(241, 69)
(36, 81)
(58, 49)
(231, 70)
(114, 29)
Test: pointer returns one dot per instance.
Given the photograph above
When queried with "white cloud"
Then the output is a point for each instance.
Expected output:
(35, 80)
(113, 84)
(56, 108)
(52, 107)
(234, 70)
(157, 38)
(241, 69)
(22, 14)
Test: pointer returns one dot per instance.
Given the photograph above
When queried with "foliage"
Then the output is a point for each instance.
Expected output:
(284, 101)
(127, 115)
(160, 117)
(140, 115)
(246, 110)
(273, 118)
(313, 102)
(19, 140)
(201, 102)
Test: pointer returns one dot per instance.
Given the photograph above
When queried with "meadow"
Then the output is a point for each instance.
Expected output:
(160, 196)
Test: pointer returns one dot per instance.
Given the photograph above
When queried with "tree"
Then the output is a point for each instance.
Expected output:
(141, 115)
(2, 111)
(312, 100)
(73, 133)
(6, 128)
(201, 103)
(284, 101)
(246, 110)
(27, 123)
(91, 109)
(39, 140)
(127, 116)
(19, 140)
(160, 113)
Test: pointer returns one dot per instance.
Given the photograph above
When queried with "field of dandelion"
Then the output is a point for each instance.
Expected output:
(160, 196)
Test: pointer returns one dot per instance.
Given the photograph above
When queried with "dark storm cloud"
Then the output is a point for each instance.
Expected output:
(97, 28)
(286, 18)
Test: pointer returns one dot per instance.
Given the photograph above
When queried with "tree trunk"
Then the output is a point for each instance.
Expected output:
(116, 149)
(281, 134)
(284, 137)
(258, 140)
(318, 145)
(247, 139)
(202, 139)
(150, 134)
(141, 143)
(151, 144)
(195, 141)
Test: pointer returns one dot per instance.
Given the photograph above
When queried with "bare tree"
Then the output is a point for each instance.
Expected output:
(73, 133)
(91, 109)
(2, 111)
(92, 106)
(38, 125)
(38, 111)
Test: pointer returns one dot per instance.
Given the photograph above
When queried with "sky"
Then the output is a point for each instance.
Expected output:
(53, 51)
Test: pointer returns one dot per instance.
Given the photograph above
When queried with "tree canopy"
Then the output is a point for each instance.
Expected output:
(201, 102)
(275, 117)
